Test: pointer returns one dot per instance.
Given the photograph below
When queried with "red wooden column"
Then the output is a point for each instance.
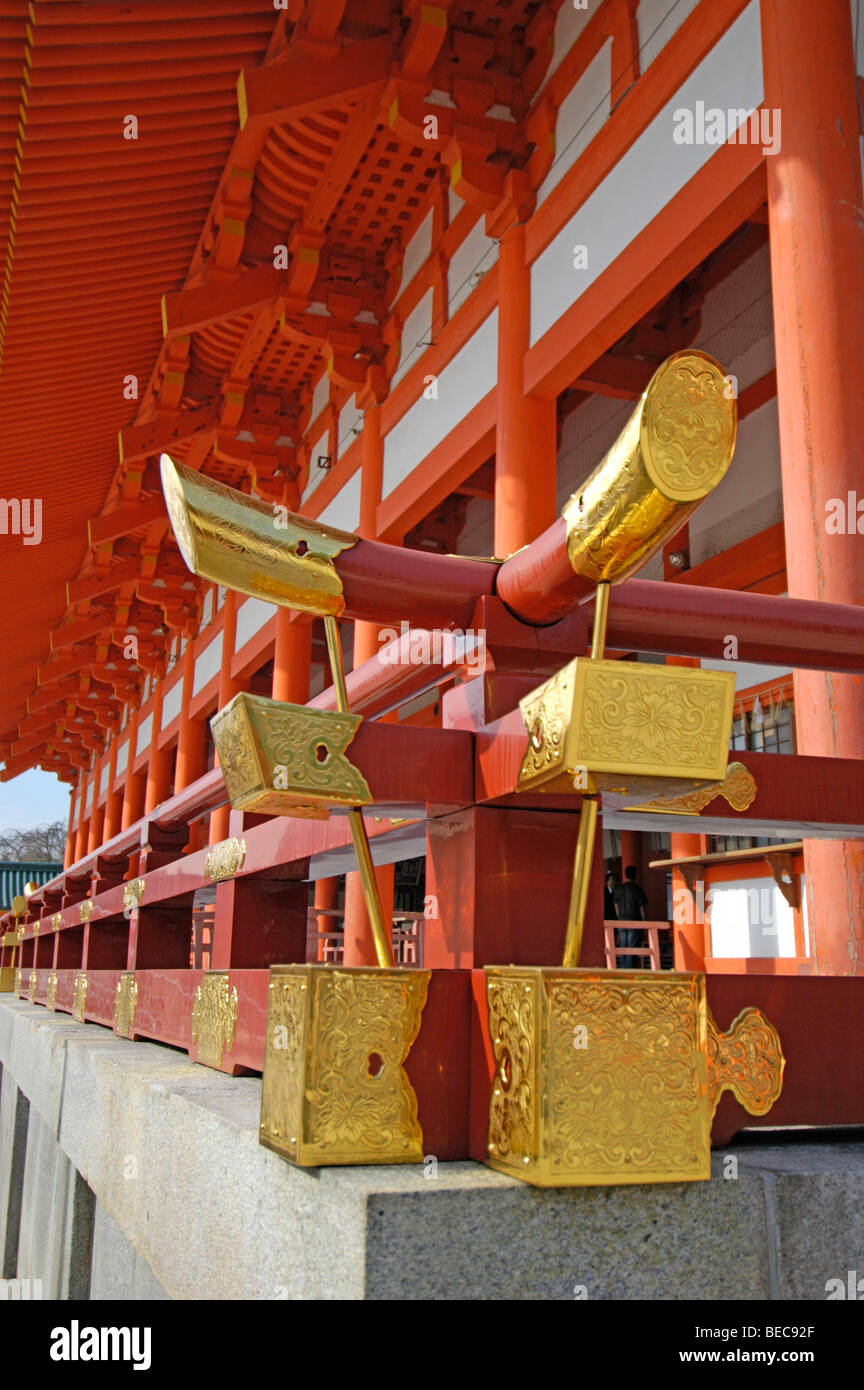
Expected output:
(292, 653)
(525, 435)
(83, 830)
(190, 741)
(817, 276)
(159, 764)
(113, 799)
(136, 782)
(689, 930)
(359, 947)
(97, 812)
(71, 832)
(291, 659)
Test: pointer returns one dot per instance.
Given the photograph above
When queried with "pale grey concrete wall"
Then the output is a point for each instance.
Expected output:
(14, 1123)
(189, 1206)
(117, 1270)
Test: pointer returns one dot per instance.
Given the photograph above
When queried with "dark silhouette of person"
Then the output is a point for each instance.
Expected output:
(610, 912)
(630, 904)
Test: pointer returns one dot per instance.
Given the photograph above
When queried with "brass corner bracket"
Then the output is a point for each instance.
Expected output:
(214, 1017)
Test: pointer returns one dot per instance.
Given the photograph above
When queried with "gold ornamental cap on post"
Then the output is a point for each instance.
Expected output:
(675, 448)
(258, 548)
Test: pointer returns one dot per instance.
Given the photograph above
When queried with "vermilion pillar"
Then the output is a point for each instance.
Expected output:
(69, 856)
(291, 659)
(292, 654)
(688, 926)
(83, 822)
(190, 740)
(97, 812)
(817, 276)
(136, 782)
(159, 765)
(113, 799)
(359, 947)
(525, 435)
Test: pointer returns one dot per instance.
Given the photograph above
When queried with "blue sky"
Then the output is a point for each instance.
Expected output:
(34, 798)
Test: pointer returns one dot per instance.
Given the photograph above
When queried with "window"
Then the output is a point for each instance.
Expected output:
(764, 725)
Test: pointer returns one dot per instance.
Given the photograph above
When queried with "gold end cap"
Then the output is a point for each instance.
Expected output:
(688, 426)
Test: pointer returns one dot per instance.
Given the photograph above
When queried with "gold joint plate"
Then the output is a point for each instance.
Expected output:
(288, 760)
(334, 1089)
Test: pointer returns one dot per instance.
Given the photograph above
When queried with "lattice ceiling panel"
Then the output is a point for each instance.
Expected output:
(387, 197)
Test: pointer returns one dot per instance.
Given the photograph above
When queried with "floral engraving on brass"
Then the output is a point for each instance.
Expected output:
(513, 1106)
(738, 790)
(57, 921)
(225, 860)
(133, 892)
(79, 997)
(31, 989)
(36, 928)
(658, 722)
(214, 1018)
(689, 425)
(598, 1079)
(747, 1060)
(18, 984)
(334, 1087)
(52, 990)
(125, 999)
(288, 759)
(546, 715)
(627, 728)
(85, 910)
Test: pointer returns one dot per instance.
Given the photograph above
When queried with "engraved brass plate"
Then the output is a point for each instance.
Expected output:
(57, 921)
(738, 789)
(225, 860)
(31, 987)
(133, 892)
(18, 983)
(603, 1079)
(599, 1079)
(85, 910)
(747, 1060)
(8, 983)
(631, 728)
(287, 760)
(11, 938)
(52, 990)
(79, 997)
(334, 1087)
(252, 546)
(214, 1017)
(125, 999)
